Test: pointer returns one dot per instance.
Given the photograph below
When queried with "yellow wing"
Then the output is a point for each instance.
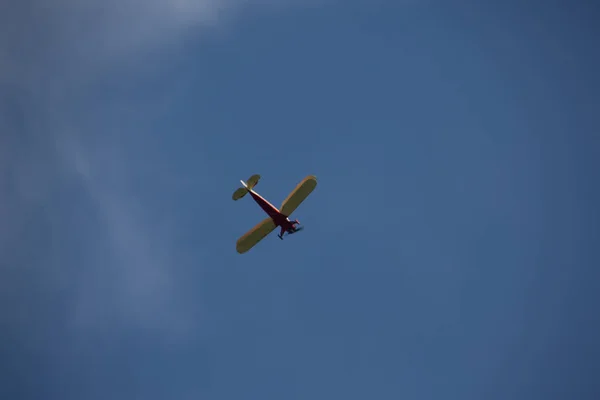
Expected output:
(298, 195)
(255, 235)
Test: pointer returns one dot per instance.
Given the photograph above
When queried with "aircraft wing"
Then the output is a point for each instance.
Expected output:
(298, 195)
(255, 235)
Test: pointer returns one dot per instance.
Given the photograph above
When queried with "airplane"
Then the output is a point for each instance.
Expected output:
(276, 217)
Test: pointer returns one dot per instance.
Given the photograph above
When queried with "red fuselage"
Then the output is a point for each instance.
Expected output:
(277, 217)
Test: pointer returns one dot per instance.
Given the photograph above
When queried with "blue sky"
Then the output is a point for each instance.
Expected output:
(450, 249)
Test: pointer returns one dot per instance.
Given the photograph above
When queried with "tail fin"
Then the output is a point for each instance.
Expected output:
(241, 192)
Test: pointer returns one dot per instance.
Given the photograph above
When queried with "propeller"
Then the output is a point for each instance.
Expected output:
(297, 230)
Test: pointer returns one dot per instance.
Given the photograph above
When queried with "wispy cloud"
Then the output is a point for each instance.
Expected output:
(42, 43)
(134, 284)
(56, 138)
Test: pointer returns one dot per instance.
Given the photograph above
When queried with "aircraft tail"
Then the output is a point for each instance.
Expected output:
(241, 192)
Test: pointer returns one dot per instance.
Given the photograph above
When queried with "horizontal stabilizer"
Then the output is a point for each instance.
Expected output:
(252, 181)
(238, 194)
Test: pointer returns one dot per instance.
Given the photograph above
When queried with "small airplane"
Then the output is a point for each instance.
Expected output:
(276, 217)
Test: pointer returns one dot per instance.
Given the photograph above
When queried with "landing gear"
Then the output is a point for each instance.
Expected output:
(291, 230)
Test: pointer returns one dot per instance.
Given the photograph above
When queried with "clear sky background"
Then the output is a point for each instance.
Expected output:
(451, 246)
